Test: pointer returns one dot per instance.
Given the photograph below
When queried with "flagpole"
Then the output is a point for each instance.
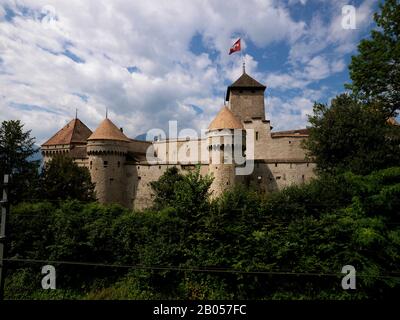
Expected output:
(243, 62)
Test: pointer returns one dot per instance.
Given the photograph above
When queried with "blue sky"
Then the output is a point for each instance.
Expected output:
(153, 61)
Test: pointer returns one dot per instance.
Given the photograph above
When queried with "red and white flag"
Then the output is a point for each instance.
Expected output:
(235, 47)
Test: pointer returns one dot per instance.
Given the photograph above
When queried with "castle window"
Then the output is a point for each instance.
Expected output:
(290, 142)
(139, 178)
(307, 164)
(302, 178)
(276, 164)
(91, 163)
(105, 164)
(278, 177)
(119, 164)
(256, 135)
(159, 167)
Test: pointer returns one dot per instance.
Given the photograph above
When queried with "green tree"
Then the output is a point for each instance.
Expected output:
(188, 192)
(16, 149)
(62, 178)
(164, 188)
(350, 135)
(375, 71)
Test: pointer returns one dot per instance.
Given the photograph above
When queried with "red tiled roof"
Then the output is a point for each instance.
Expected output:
(225, 119)
(108, 131)
(74, 132)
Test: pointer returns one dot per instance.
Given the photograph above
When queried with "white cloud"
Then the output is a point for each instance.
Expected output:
(154, 37)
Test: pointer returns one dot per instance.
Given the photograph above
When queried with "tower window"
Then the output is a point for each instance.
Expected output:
(256, 135)
(105, 164)
(276, 164)
(91, 163)
(119, 164)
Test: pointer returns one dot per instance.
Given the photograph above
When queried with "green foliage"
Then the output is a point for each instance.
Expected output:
(350, 136)
(375, 71)
(62, 179)
(188, 193)
(164, 188)
(16, 147)
(313, 229)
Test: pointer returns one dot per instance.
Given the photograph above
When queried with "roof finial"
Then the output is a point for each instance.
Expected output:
(106, 113)
(244, 67)
(76, 113)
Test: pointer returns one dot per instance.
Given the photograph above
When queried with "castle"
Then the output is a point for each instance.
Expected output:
(238, 147)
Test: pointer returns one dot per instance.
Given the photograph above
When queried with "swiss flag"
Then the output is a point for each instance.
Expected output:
(235, 47)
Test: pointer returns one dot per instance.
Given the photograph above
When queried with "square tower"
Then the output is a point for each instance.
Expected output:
(246, 98)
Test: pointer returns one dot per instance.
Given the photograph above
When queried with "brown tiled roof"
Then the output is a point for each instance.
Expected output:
(74, 132)
(244, 81)
(108, 131)
(393, 121)
(291, 133)
(225, 119)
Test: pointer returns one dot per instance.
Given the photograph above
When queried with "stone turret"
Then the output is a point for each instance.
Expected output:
(107, 148)
(246, 98)
(220, 139)
(69, 141)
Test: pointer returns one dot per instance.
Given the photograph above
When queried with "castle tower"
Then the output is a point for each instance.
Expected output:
(246, 101)
(107, 148)
(220, 139)
(69, 141)
(246, 98)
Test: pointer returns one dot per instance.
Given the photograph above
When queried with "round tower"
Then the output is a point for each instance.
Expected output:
(222, 145)
(107, 148)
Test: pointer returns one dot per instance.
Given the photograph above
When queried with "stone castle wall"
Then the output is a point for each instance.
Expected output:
(247, 104)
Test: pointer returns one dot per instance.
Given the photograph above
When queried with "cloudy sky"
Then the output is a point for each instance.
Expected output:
(153, 61)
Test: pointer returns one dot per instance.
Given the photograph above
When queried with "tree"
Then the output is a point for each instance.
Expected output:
(350, 135)
(62, 178)
(16, 149)
(375, 71)
(164, 188)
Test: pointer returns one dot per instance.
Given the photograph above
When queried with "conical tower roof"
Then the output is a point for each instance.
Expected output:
(225, 119)
(75, 132)
(108, 131)
(393, 121)
(243, 82)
